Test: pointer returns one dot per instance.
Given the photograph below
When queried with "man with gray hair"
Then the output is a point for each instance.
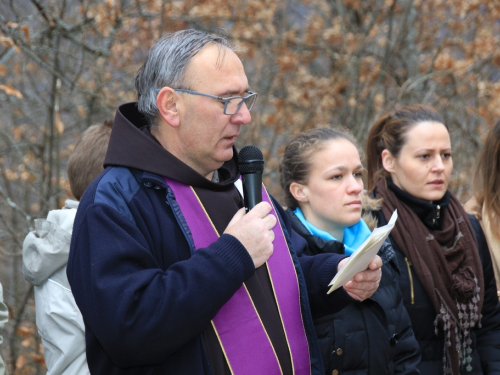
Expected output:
(170, 274)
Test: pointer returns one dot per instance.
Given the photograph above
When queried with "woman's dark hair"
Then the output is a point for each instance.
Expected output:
(296, 163)
(389, 133)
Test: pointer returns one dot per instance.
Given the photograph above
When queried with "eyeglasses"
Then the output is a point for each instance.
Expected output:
(232, 104)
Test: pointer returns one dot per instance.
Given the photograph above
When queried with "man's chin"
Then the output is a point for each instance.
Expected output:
(226, 155)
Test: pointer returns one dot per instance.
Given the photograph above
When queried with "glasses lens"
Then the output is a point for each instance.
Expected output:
(234, 105)
(250, 101)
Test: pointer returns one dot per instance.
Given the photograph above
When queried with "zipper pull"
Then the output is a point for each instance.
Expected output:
(412, 294)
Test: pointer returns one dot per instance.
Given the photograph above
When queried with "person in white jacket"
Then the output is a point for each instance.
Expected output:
(4, 316)
(45, 255)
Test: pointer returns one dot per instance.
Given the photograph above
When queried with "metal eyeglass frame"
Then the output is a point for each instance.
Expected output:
(244, 99)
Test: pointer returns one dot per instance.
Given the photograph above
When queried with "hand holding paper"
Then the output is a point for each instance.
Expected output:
(365, 283)
(362, 257)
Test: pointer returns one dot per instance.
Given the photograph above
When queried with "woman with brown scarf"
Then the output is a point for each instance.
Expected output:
(447, 280)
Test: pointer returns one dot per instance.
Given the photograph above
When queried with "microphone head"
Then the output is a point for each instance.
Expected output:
(250, 160)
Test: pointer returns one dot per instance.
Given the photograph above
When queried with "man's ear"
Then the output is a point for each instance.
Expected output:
(388, 161)
(167, 102)
(299, 192)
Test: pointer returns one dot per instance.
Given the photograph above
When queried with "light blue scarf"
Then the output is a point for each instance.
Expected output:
(354, 235)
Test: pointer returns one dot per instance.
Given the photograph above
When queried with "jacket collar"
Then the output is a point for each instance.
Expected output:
(429, 212)
(317, 245)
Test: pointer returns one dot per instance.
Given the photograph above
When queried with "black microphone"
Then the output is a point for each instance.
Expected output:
(251, 165)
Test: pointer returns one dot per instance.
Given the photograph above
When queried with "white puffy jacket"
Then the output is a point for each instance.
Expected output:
(4, 316)
(59, 321)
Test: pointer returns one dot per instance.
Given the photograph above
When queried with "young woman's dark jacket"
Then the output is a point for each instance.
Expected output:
(486, 340)
(369, 337)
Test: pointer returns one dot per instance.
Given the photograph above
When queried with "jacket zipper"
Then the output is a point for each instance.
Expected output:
(408, 264)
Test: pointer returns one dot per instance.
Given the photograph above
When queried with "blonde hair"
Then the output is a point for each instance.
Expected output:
(487, 178)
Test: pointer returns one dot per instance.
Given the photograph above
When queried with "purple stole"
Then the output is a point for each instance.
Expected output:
(240, 331)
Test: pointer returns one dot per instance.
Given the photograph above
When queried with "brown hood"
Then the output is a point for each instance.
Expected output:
(370, 204)
(132, 145)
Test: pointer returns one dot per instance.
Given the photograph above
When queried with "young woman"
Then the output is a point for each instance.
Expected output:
(485, 201)
(321, 174)
(447, 281)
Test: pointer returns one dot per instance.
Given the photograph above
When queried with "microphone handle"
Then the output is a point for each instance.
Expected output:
(252, 189)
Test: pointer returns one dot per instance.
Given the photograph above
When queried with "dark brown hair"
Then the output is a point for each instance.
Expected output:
(87, 159)
(486, 182)
(296, 163)
(389, 133)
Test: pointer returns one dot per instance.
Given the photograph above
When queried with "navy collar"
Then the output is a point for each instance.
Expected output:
(429, 212)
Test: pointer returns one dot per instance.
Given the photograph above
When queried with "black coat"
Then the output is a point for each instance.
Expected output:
(486, 340)
(369, 337)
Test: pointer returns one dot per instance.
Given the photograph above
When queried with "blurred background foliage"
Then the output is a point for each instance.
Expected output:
(67, 64)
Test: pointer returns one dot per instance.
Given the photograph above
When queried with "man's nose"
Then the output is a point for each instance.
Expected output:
(243, 116)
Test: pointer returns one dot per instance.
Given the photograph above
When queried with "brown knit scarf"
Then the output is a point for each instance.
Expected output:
(447, 264)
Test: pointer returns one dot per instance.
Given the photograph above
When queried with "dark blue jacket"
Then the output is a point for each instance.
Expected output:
(369, 337)
(145, 295)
